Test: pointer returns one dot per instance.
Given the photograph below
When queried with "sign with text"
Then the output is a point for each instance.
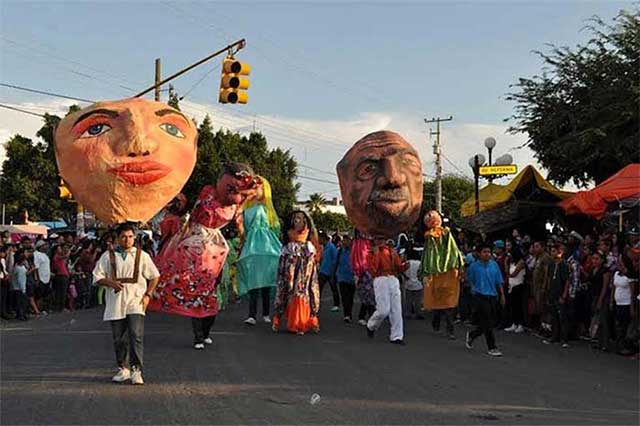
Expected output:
(510, 169)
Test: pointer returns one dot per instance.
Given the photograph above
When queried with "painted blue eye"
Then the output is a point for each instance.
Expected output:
(96, 130)
(172, 130)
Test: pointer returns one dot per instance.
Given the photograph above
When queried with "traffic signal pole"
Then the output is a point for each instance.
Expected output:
(240, 44)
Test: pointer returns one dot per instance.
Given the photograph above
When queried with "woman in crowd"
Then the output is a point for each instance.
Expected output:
(516, 269)
(599, 278)
(298, 292)
(258, 262)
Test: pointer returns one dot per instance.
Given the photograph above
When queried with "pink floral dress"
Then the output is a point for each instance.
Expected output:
(192, 260)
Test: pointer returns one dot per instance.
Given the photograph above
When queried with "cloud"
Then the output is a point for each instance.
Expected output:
(319, 144)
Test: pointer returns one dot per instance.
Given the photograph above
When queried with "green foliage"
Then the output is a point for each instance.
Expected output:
(315, 202)
(331, 222)
(455, 191)
(174, 100)
(581, 115)
(215, 149)
(29, 179)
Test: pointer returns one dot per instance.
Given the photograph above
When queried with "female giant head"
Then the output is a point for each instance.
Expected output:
(124, 160)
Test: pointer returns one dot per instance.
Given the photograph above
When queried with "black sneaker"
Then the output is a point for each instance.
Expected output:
(399, 342)
(370, 333)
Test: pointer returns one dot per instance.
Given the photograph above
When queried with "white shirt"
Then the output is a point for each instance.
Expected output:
(127, 301)
(413, 283)
(3, 269)
(43, 263)
(518, 279)
(622, 294)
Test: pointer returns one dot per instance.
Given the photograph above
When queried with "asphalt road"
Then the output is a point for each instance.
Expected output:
(57, 370)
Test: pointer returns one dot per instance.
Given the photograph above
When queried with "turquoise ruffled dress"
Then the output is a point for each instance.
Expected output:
(258, 262)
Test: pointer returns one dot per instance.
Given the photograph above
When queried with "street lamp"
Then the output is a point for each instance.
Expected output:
(490, 143)
(475, 162)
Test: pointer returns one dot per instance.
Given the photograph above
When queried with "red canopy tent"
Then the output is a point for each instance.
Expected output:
(622, 185)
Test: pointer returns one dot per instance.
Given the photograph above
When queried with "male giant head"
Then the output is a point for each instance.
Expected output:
(381, 184)
(124, 160)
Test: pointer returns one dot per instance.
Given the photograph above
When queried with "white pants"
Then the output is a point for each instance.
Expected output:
(388, 304)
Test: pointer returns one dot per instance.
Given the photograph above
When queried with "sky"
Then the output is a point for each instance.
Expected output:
(325, 73)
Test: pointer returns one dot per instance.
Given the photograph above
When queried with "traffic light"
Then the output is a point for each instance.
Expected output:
(232, 82)
(65, 194)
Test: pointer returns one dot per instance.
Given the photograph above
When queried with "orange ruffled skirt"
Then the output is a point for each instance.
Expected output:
(298, 317)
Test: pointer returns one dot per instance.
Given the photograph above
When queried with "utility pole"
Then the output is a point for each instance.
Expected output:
(157, 80)
(437, 150)
(237, 45)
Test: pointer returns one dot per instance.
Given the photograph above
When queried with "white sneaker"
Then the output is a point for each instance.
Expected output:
(494, 352)
(250, 321)
(266, 319)
(198, 346)
(136, 377)
(362, 322)
(519, 329)
(208, 341)
(335, 309)
(512, 328)
(123, 375)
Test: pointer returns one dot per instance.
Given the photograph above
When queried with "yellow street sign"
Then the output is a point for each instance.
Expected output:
(510, 169)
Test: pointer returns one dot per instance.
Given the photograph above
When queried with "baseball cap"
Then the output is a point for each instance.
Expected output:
(498, 244)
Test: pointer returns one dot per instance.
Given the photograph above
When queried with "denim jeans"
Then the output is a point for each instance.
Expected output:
(128, 335)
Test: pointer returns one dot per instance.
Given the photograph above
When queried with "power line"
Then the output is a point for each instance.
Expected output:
(318, 180)
(42, 92)
(200, 81)
(316, 169)
(21, 110)
(48, 52)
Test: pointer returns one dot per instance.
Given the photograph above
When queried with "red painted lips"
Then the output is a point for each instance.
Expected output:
(141, 173)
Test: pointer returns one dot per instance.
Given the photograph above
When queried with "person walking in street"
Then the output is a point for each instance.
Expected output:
(557, 296)
(384, 265)
(344, 276)
(327, 269)
(486, 284)
(413, 286)
(440, 272)
(298, 294)
(258, 262)
(130, 277)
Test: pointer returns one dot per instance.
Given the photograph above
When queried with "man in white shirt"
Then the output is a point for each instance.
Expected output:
(43, 263)
(130, 277)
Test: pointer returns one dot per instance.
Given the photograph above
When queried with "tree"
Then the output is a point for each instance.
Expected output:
(581, 115)
(331, 222)
(215, 149)
(315, 203)
(455, 191)
(174, 100)
(29, 178)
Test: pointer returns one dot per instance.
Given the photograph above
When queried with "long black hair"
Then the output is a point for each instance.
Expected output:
(313, 232)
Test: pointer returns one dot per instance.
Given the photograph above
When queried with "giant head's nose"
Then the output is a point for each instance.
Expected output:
(136, 140)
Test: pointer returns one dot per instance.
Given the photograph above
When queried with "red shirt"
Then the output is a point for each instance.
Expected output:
(384, 263)
(60, 265)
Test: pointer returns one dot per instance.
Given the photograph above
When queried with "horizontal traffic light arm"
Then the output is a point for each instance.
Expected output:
(237, 45)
